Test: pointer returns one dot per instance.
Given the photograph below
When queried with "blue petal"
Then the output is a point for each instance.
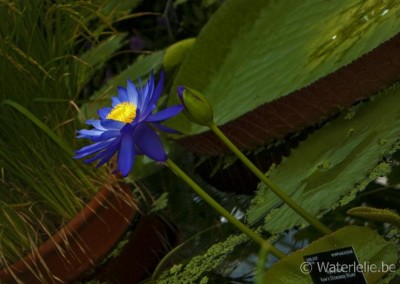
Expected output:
(137, 151)
(137, 118)
(112, 124)
(90, 149)
(166, 129)
(123, 94)
(159, 88)
(115, 101)
(86, 133)
(133, 93)
(126, 155)
(148, 108)
(180, 90)
(96, 157)
(148, 91)
(104, 112)
(140, 85)
(95, 123)
(106, 135)
(165, 114)
(150, 84)
(105, 154)
(128, 129)
(149, 143)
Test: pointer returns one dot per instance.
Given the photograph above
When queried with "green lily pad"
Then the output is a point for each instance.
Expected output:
(370, 248)
(250, 54)
(335, 162)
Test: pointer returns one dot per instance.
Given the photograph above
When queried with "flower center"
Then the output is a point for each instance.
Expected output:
(124, 112)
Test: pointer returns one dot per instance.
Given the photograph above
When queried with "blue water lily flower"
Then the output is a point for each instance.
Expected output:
(127, 128)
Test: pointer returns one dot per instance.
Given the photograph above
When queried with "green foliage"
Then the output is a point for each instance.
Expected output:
(248, 55)
(333, 164)
(96, 57)
(369, 247)
(65, 147)
(45, 62)
(117, 9)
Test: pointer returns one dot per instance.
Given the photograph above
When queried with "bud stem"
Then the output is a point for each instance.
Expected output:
(278, 191)
(260, 268)
(221, 210)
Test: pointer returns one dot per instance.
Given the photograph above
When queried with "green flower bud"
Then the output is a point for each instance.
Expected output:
(197, 108)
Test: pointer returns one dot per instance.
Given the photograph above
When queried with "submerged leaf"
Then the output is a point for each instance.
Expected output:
(201, 264)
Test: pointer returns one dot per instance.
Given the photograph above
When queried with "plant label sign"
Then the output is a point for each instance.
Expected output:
(334, 266)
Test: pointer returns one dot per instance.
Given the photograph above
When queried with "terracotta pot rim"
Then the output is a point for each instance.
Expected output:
(106, 199)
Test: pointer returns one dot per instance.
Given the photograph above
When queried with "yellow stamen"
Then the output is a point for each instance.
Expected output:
(124, 112)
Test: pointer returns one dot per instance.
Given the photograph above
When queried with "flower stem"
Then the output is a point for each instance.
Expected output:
(262, 258)
(278, 191)
(221, 210)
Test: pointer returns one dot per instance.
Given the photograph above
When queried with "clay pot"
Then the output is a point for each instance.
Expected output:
(80, 245)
